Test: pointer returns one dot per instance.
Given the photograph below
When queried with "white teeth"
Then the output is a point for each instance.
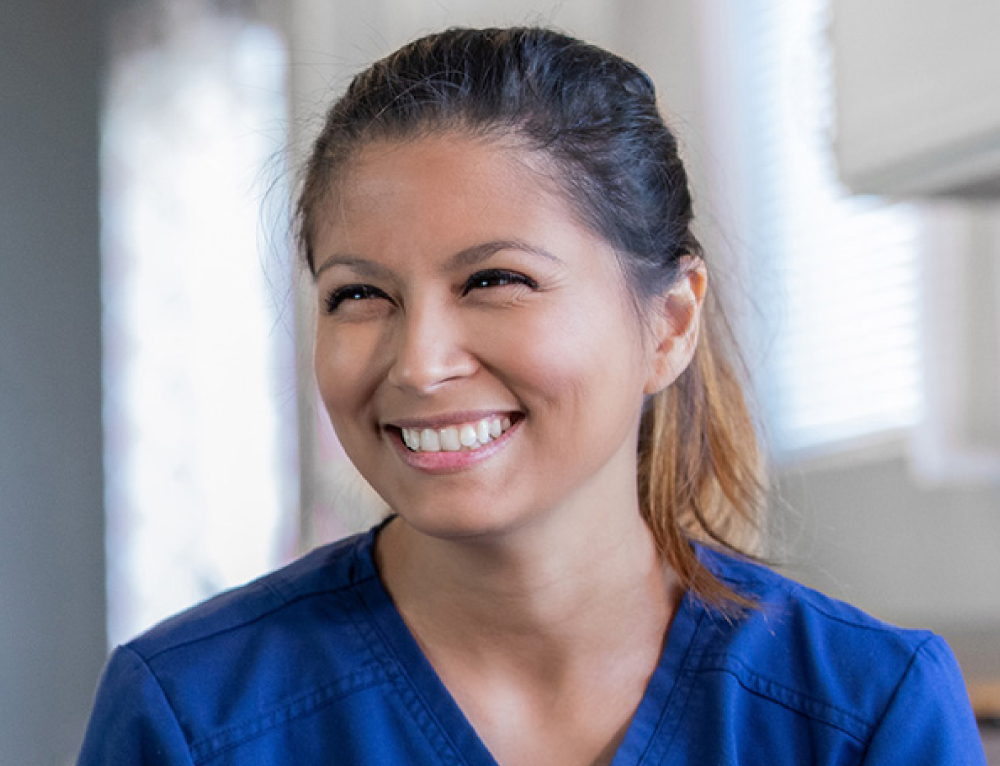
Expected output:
(449, 440)
(483, 431)
(411, 439)
(429, 441)
(468, 436)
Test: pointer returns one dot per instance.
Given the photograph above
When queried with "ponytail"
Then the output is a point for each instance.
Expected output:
(700, 468)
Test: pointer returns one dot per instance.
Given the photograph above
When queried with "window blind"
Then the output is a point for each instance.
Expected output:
(837, 276)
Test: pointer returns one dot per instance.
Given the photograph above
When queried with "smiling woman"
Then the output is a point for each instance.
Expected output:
(517, 347)
(485, 300)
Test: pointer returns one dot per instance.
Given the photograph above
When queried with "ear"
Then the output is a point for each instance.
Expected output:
(676, 319)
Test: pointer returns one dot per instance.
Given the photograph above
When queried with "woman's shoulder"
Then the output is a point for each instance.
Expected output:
(801, 615)
(316, 585)
(300, 633)
(825, 660)
(798, 634)
(288, 649)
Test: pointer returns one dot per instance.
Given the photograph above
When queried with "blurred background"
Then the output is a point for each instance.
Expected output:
(159, 433)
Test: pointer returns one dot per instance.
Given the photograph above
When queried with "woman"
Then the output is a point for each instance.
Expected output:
(516, 349)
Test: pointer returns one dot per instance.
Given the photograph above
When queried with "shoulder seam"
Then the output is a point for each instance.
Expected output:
(758, 577)
(285, 603)
(797, 701)
(872, 623)
(163, 694)
(895, 692)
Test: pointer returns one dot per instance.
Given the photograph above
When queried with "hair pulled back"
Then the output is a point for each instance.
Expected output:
(593, 116)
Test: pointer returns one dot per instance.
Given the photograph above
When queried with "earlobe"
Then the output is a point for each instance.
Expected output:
(676, 323)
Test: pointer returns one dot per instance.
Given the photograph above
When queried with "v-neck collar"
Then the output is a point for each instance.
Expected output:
(647, 739)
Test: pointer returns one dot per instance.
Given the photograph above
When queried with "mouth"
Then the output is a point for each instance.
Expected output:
(461, 437)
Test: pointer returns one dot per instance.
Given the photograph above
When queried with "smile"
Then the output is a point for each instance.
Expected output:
(464, 437)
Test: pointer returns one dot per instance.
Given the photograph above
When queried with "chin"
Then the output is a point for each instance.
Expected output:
(453, 524)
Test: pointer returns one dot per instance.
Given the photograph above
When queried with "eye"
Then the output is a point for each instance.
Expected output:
(351, 294)
(496, 278)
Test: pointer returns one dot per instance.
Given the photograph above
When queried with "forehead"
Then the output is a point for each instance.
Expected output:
(450, 164)
(442, 185)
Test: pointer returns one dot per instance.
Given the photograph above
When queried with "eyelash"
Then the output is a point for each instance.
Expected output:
(351, 293)
(496, 278)
(481, 280)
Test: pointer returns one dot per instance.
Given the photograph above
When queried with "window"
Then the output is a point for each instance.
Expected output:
(841, 361)
(198, 330)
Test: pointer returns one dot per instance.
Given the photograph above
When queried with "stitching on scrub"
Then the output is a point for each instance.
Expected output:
(655, 748)
(874, 626)
(895, 692)
(426, 721)
(438, 737)
(239, 734)
(166, 699)
(272, 584)
(240, 625)
(793, 699)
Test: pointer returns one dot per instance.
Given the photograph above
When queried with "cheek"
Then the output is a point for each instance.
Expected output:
(577, 356)
(345, 364)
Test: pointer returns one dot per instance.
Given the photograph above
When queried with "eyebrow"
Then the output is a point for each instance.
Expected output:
(362, 266)
(469, 256)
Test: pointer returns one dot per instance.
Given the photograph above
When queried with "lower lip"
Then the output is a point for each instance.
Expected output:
(451, 462)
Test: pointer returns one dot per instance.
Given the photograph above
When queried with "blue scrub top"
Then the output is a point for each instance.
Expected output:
(314, 665)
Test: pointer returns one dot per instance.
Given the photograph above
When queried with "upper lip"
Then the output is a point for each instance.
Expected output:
(444, 420)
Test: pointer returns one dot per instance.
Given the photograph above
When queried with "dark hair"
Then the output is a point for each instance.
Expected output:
(594, 117)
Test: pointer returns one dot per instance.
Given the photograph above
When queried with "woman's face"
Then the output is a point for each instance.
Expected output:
(476, 346)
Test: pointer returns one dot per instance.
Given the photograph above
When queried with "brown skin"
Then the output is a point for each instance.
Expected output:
(525, 573)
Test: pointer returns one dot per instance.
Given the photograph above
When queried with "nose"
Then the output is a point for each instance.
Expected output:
(430, 349)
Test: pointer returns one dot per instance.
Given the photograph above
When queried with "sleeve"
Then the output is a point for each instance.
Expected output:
(132, 722)
(929, 720)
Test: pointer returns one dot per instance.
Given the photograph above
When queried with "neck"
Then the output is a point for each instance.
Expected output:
(548, 591)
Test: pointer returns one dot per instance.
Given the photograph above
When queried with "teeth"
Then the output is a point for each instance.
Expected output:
(410, 439)
(429, 441)
(449, 440)
(468, 436)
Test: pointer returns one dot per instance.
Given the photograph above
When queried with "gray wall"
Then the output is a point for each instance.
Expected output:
(52, 612)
